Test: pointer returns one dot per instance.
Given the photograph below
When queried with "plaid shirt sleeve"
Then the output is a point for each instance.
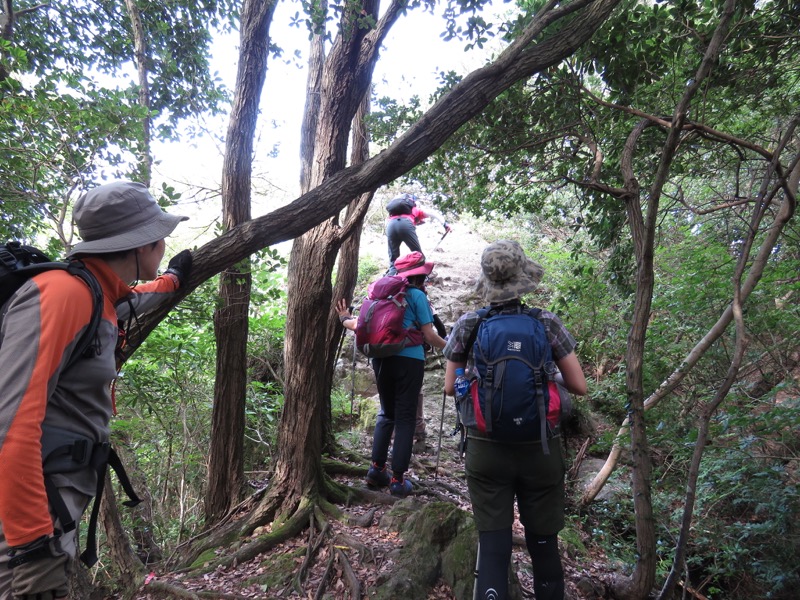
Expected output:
(561, 340)
(456, 347)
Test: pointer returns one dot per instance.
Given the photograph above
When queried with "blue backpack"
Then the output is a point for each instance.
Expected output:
(513, 397)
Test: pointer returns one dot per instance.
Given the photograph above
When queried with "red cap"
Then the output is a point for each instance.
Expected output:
(413, 263)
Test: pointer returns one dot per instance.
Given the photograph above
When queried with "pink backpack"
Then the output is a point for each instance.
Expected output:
(380, 332)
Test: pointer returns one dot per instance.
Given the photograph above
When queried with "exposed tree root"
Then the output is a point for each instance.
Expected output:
(223, 533)
(163, 589)
(430, 488)
(312, 548)
(326, 575)
(364, 520)
(256, 511)
(221, 595)
(365, 553)
(262, 542)
(337, 467)
(349, 575)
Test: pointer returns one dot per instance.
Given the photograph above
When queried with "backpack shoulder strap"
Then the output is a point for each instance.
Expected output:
(406, 294)
(483, 313)
(78, 269)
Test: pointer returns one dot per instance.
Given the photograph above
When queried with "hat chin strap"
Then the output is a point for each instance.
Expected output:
(136, 256)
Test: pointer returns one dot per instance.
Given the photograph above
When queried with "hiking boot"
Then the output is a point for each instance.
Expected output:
(378, 477)
(400, 488)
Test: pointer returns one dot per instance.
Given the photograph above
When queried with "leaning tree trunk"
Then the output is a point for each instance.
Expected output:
(226, 456)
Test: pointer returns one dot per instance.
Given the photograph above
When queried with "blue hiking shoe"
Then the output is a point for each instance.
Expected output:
(378, 477)
(400, 488)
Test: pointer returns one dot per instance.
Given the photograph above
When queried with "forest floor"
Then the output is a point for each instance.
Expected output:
(436, 470)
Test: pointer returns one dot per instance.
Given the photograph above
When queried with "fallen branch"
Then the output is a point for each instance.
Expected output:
(576, 464)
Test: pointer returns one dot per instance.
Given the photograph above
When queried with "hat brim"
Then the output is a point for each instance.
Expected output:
(421, 270)
(523, 283)
(148, 233)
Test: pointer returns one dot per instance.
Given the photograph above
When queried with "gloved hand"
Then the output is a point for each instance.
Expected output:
(447, 228)
(180, 265)
(42, 570)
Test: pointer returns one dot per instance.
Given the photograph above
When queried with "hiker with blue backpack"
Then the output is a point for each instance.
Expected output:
(512, 356)
(398, 360)
(57, 398)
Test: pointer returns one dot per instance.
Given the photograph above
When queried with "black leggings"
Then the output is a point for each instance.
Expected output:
(495, 556)
(548, 574)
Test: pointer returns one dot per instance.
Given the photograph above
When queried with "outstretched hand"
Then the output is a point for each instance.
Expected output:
(180, 265)
(341, 308)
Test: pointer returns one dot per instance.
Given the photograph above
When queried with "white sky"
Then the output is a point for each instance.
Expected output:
(411, 59)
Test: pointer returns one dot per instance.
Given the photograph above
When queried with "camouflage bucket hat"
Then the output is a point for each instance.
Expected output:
(506, 273)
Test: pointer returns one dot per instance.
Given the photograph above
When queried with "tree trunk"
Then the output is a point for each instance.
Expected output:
(347, 272)
(130, 570)
(226, 455)
(344, 82)
(145, 166)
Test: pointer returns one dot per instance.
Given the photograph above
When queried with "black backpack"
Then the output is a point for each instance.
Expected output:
(19, 262)
(401, 205)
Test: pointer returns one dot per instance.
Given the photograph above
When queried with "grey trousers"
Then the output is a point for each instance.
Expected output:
(76, 503)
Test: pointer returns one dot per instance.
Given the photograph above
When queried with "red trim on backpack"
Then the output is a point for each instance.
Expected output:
(480, 422)
(554, 407)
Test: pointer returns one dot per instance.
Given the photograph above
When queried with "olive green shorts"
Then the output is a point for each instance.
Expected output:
(499, 472)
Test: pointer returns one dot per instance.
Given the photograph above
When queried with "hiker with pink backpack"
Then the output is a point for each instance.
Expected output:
(393, 323)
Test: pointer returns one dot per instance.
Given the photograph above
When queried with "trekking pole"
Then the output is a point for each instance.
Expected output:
(446, 231)
(441, 429)
(477, 564)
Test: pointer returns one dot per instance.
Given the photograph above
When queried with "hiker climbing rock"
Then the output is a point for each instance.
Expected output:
(405, 213)
(52, 402)
(500, 469)
(399, 375)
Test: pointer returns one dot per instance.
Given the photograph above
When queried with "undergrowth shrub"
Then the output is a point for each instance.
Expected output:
(746, 538)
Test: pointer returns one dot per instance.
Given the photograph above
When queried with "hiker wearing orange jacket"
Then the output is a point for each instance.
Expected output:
(44, 394)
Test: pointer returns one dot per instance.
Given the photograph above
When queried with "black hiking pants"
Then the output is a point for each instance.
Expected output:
(399, 380)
